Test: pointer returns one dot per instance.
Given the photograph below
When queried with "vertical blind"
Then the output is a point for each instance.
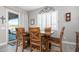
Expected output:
(48, 20)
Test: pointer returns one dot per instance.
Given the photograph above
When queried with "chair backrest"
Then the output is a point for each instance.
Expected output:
(48, 31)
(19, 33)
(62, 32)
(35, 37)
(35, 33)
(77, 42)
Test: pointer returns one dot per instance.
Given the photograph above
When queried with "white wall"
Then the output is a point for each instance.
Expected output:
(23, 21)
(2, 27)
(70, 27)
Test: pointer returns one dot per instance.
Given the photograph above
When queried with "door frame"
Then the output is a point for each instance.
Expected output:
(10, 10)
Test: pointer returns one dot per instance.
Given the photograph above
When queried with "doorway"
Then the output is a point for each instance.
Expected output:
(12, 25)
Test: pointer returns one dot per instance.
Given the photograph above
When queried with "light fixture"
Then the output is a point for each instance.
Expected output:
(47, 9)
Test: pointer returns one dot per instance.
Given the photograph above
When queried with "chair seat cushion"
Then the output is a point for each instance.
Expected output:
(55, 40)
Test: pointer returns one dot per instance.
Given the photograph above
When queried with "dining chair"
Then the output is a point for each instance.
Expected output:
(57, 41)
(46, 38)
(20, 38)
(35, 39)
(77, 42)
(48, 31)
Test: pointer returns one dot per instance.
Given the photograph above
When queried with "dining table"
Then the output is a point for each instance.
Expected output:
(43, 39)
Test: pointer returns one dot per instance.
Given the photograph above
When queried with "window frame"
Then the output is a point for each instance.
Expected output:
(56, 29)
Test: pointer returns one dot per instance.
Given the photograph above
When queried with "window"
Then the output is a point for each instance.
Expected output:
(48, 20)
(13, 23)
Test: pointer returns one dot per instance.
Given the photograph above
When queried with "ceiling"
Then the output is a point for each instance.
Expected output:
(29, 8)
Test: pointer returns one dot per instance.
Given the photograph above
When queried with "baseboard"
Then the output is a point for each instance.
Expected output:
(66, 42)
(2, 44)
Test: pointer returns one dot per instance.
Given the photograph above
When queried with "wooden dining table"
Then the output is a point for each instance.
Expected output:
(45, 45)
(44, 41)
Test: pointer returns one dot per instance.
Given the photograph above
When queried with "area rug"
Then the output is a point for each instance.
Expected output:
(12, 43)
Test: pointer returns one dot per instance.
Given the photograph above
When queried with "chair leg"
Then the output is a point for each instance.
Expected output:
(23, 47)
(41, 49)
(49, 46)
(22, 50)
(31, 50)
(61, 47)
(16, 47)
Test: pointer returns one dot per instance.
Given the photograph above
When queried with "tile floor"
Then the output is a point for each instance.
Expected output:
(9, 48)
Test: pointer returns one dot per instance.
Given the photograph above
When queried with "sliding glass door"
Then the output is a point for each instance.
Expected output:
(12, 24)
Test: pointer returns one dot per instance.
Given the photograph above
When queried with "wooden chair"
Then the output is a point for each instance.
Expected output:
(48, 31)
(57, 41)
(77, 42)
(35, 39)
(20, 38)
(46, 37)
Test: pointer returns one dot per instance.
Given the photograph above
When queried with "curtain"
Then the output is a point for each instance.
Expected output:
(48, 20)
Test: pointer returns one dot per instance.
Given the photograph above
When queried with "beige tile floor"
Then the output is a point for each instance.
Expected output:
(9, 48)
